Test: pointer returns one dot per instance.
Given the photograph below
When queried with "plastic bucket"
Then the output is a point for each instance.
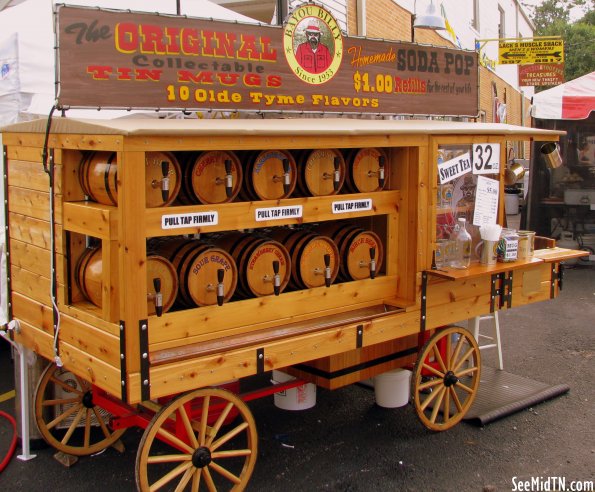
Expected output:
(392, 388)
(298, 398)
(511, 203)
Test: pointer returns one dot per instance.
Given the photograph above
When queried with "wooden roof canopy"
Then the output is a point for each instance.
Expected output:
(276, 127)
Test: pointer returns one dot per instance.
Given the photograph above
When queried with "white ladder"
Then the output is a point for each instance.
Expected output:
(474, 325)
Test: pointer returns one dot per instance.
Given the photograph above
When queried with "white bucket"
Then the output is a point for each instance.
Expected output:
(299, 398)
(392, 388)
(511, 203)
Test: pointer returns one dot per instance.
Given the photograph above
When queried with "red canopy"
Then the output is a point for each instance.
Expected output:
(573, 100)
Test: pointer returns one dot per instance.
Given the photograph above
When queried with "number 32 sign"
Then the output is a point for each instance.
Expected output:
(486, 158)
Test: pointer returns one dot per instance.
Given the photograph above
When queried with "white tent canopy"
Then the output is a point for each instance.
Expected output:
(573, 100)
(27, 49)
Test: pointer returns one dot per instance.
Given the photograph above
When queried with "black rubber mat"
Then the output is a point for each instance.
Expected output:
(501, 394)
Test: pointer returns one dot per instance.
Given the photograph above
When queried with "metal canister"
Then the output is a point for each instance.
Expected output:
(508, 246)
(526, 244)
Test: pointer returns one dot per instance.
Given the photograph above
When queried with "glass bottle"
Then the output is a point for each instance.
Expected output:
(461, 244)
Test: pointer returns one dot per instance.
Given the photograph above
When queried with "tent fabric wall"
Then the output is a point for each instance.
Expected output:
(31, 23)
(573, 100)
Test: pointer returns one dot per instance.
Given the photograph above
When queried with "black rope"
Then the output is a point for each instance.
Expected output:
(45, 144)
(54, 282)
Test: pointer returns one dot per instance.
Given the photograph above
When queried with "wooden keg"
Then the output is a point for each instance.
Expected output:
(366, 170)
(314, 258)
(320, 172)
(161, 278)
(207, 275)
(210, 177)
(98, 176)
(264, 266)
(361, 251)
(270, 175)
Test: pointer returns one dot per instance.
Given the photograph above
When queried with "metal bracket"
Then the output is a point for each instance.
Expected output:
(494, 291)
(503, 290)
(143, 326)
(560, 276)
(553, 280)
(422, 314)
(259, 360)
(507, 294)
(123, 375)
(68, 267)
(6, 235)
(359, 336)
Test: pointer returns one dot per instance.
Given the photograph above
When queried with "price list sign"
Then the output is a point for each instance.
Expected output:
(486, 201)
(123, 59)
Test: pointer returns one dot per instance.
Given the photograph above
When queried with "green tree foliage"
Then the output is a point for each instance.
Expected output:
(552, 18)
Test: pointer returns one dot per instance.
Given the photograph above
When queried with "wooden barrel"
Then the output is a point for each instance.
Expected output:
(255, 257)
(88, 277)
(307, 251)
(354, 244)
(197, 265)
(270, 175)
(210, 177)
(320, 172)
(366, 170)
(98, 176)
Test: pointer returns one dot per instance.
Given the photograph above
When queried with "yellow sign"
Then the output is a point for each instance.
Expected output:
(526, 52)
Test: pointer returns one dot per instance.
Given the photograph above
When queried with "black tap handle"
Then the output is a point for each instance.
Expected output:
(381, 163)
(372, 263)
(228, 179)
(336, 174)
(158, 296)
(327, 270)
(276, 278)
(165, 180)
(286, 177)
(220, 292)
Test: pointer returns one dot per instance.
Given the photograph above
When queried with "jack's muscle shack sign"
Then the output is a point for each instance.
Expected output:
(111, 59)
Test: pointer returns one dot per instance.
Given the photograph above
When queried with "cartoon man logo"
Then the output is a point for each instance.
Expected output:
(313, 44)
(466, 205)
(313, 55)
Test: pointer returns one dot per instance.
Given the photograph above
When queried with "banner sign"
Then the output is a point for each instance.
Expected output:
(454, 168)
(122, 59)
(525, 52)
(541, 74)
(486, 158)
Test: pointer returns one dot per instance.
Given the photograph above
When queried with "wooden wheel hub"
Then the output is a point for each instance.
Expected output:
(87, 400)
(450, 379)
(201, 457)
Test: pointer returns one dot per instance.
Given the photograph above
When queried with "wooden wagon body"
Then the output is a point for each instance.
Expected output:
(332, 336)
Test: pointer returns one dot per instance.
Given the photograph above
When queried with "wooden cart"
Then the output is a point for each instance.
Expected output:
(119, 361)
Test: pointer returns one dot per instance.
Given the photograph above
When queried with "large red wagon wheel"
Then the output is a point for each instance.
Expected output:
(67, 417)
(191, 445)
(445, 378)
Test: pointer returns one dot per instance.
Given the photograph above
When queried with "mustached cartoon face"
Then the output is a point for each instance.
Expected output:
(313, 39)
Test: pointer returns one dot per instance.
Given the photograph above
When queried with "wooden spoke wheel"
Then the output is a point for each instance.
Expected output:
(193, 443)
(67, 417)
(445, 378)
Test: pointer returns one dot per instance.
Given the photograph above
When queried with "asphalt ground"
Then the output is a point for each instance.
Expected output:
(347, 443)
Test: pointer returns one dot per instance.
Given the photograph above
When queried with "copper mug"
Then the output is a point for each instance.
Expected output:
(514, 173)
(550, 152)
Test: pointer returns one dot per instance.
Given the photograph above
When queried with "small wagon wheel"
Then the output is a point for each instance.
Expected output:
(67, 416)
(190, 444)
(445, 378)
